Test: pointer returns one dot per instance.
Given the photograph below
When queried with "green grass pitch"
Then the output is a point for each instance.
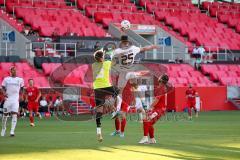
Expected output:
(213, 135)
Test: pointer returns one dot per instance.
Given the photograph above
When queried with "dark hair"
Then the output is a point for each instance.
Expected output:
(98, 55)
(124, 38)
(164, 79)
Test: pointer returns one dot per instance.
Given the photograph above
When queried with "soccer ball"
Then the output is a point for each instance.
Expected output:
(125, 24)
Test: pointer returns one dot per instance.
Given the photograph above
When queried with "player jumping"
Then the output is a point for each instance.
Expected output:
(102, 87)
(124, 57)
(11, 86)
(156, 110)
(33, 95)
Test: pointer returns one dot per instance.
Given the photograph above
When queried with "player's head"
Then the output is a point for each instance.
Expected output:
(99, 55)
(163, 79)
(13, 71)
(124, 41)
(30, 82)
(190, 85)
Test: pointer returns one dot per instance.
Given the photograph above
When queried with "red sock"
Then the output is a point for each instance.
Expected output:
(190, 111)
(117, 124)
(31, 119)
(123, 124)
(151, 131)
(145, 128)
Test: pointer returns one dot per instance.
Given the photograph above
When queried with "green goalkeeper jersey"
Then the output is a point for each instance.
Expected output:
(101, 74)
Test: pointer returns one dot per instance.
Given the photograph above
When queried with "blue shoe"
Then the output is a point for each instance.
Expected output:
(115, 133)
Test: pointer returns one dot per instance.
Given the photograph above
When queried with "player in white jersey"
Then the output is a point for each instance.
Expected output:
(124, 63)
(11, 87)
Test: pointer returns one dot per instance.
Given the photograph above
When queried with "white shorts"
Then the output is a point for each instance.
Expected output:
(125, 75)
(10, 106)
(197, 107)
(138, 104)
(123, 78)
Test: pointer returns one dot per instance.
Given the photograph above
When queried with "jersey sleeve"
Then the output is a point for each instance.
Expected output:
(136, 50)
(4, 83)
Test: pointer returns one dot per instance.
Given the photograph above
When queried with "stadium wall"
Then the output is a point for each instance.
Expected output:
(213, 98)
(14, 48)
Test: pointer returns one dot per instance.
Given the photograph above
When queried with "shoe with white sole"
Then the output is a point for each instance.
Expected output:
(32, 124)
(3, 132)
(115, 133)
(144, 140)
(152, 141)
(121, 135)
(114, 114)
(12, 134)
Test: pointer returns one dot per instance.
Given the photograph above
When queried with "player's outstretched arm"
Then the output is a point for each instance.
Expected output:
(149, 48)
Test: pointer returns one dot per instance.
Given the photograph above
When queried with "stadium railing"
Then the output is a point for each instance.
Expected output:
(46, 8)
(43, 1)
(58, 49)
(7, 48)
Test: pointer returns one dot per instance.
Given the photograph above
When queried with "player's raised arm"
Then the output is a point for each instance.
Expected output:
(149, 48)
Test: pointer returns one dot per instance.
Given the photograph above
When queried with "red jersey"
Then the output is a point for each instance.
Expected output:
(190, 93)
(32, 93)
(128, 94)
(161, 95)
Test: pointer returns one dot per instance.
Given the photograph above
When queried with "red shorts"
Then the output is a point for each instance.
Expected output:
(124, 107)
(155, 119)
(33, 106)
(191, 104)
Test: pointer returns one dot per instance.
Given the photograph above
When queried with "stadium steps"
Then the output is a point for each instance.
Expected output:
(235, 102)
(80, 107)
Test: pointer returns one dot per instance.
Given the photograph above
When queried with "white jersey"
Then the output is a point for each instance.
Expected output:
(13, 86)
(58, 102)
(125, 57)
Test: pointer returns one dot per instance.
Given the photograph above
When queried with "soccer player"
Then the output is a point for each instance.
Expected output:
(11, 86)
(124, 63)
(191, 100)
(33, 95)
(102, 87)
(156, 110)
(131, 98)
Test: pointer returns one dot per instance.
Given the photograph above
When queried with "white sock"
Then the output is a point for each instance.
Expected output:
(99, 130)
(4, 122)
(119, 103)
(14, 122)
(140, 116)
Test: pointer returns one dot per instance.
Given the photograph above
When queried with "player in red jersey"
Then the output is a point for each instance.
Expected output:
(33, 95)
(191, 100)
(156, 110)
(130, 99)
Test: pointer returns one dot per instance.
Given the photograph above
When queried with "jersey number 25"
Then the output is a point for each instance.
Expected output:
(127, 59)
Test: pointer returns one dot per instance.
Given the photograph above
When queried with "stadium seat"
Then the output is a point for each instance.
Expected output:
(191, 22)
(226, 74)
